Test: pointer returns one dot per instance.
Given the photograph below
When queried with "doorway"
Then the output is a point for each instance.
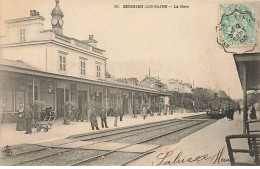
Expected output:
(60, 101)
(125, 104)
(83, 105)
(98, 102)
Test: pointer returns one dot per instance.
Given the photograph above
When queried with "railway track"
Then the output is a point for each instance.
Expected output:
(200, 116)
(79, 156)
(96, 157)
(28, 147)
(110, 157)
(12, 160)
(98, 141)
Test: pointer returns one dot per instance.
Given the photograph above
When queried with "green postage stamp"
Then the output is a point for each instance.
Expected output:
(237, 27)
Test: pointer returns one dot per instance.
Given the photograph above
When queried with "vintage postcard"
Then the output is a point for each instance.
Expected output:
(129, 82)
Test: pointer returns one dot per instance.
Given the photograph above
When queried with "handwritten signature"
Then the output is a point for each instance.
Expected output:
(163, 158)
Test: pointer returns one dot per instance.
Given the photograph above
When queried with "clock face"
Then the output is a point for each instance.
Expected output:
(54, 21)
(61, 22)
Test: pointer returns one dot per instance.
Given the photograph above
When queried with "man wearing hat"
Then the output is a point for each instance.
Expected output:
(231, 112)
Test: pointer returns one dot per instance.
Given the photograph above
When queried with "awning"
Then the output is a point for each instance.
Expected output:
(22, 70)
(252, 66)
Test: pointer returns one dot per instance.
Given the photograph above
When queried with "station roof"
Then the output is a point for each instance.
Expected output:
(23, 68)
(252, 62)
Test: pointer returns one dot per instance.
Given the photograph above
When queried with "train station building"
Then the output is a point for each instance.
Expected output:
(48, 66)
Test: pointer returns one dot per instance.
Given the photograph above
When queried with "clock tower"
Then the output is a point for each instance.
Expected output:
(57, 21)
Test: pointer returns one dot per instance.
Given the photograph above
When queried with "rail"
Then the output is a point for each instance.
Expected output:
(115, 150)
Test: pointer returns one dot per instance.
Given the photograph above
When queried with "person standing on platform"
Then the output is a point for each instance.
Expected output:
(246, 113)
(231, 113)
(239, 109)
(116, 114)
(93, 119)
(29, 118)
(20, 125)
(103, 118)
(144, 112)
(121, 113)
(253, 113)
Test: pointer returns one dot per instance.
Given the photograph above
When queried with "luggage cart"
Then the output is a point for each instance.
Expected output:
(46, 124)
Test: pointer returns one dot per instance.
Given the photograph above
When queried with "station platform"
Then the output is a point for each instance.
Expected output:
(207, 145)
(9, 135)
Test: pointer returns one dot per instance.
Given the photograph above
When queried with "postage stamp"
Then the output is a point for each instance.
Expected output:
(237, 28)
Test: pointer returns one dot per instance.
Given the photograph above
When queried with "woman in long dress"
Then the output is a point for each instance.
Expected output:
(253, 113)
(20, 125)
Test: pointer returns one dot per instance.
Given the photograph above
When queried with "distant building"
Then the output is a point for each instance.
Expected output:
(179, 86)
(132, 81)
(153, 83)
(156, 84)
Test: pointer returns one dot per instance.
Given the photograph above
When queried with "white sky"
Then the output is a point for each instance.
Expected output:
(173, 43)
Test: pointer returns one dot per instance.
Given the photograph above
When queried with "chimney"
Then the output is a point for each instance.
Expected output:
(34, 13)
(149, 73)
(90, 37)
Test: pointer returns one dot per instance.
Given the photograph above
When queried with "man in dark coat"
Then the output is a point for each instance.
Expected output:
(253, 113)
(231, 113)
(29, 117)
(121, 113)
(103, 118)
(93, 119)
(116, 114)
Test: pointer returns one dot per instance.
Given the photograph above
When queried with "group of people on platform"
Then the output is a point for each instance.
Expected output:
(230, 113)
(25, 118)
(117, 112)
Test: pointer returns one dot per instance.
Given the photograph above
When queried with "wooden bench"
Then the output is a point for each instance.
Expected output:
(253, 138)
(251, 130)
(254, 151)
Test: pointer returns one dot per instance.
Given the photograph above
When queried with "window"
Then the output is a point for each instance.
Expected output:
(7, 98)
(22, 35)
(47, 94)
(30, 93)
(98, 71)
(82, 67)
(62, 63)
(19, 99)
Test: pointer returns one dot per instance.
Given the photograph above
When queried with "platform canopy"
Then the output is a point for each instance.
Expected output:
(248, 68)
(250, 63)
